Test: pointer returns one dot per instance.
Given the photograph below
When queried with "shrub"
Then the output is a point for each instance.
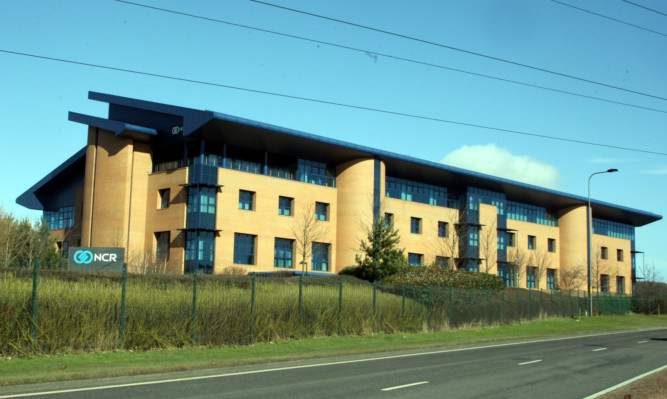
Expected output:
(440, 277)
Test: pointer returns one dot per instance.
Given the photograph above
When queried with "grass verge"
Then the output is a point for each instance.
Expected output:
(81, 366)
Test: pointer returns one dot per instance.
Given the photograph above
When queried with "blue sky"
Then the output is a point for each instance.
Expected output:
(38, 93)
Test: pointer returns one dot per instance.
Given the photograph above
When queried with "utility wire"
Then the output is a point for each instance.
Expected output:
(645, 8)
(609, 18)
(388, 112)
(464, 51)
(392, 57)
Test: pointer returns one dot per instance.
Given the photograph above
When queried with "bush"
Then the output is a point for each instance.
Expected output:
(440, 277)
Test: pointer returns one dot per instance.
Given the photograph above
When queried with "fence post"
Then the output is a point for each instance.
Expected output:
(300, 303)
(340, 307)
(33, 309)
(488, 307)
(470, 307)
(428, 310)
(403, 307)
(252, 310)
(123, 297)
(502, 308)
(194, 306)
(530, 308)
(375, 291)
(451, 307)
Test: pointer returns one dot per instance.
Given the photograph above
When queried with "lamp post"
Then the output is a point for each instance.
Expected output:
(589, 229)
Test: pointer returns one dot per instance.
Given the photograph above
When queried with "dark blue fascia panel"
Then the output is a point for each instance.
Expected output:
(119, 128)
(30, 200)
(506, 186)
(131, 108)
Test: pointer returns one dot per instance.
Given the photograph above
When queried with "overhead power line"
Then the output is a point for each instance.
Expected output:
(609, 18)
(314, 100)
(645, 8)
(490, 57)
(394, 57)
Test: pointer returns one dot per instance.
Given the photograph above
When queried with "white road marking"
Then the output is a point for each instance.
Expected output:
(404, 386)
(530, 362)
(642, 342)
(624, 383)
(305, 366)
(599, 349)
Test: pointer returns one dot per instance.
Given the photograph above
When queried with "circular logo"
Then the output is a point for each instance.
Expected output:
(83, 257)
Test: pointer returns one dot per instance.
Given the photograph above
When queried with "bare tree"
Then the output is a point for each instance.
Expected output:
(517, 259)
(488, 245)
(572, 277)
(307, 230)
(542, 261)
(600, 266)
(447, 244)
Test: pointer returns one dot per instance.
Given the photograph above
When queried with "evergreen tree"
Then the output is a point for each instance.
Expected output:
(381, 256)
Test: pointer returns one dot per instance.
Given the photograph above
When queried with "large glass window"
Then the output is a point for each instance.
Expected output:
(415, 259)
(551, 279)
(315, 173)
(416, 192)
(62, 218)
(443, 229)
(285, 206)
(162, 240)
(620, 285)
(506, 274)
(604, 283)
(320, 256)
(415, 225)
(246, 200)
(199, 251)
(321, 211)
(283, 253)
(531, 272)
(244, 249)
(530, 213)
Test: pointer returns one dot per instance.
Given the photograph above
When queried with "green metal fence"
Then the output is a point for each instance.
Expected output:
(54, 311)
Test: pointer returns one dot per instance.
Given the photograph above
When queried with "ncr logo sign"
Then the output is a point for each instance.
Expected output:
(96, 259)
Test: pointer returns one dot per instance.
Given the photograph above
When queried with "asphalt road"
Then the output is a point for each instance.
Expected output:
(566, 367)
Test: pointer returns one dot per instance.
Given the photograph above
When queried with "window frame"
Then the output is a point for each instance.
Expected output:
(443, 229)
(415, 225)
(619, 255)
(511, 239)
(531, 276)
(419, 257)
(319, 263)
(164, 198)
(245, 253)
(281, 253)
(532, 242)
(285, 206)
(246, 200)
(551, 245)
(321, 211)
(162, 245)
(604, 253)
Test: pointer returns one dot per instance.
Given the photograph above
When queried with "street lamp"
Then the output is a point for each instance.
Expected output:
(589, 233)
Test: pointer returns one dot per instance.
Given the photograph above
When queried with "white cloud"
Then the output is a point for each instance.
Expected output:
(492, 160)
(658, 171)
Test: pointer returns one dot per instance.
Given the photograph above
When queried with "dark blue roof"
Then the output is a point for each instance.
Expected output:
(150, 118)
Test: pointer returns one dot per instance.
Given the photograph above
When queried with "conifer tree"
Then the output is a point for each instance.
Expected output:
(381, 256)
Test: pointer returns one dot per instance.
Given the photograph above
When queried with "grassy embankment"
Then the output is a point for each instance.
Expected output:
(74, 366)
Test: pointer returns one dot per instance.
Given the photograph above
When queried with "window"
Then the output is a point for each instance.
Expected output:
(415, 225)
(505, 272)
(551, 279)
(443, 228)
(244, 249)
(388, 219)
(442, 261)
(285, 206)
(61, 218)
(416, 192)
(65, 249)
(620, 285)
(473, 239)
(283, 253)
(604, 254)
(320, 257)
(164, 196)
(604, 283)
(415, 259)
(162, 246)
(321, 211)
(246, 200)
(199, 251)
(201, 207)
(619, 255)
(551, 244)
(531, 242)
(510, 239)
(531, 272)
